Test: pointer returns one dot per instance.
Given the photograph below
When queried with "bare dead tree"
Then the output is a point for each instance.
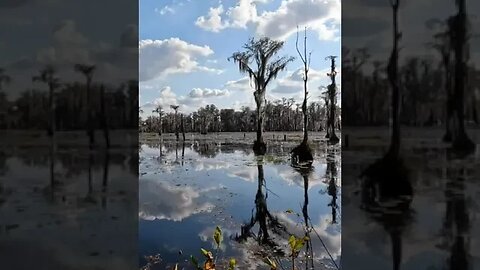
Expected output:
(306, 67)
(392, 74)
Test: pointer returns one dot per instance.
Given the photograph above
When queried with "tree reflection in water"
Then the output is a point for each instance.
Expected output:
(305, 172)
(388, 203)
(3, 171)
(105, 178)
(264, 218)
(456, 225)
(331, 176)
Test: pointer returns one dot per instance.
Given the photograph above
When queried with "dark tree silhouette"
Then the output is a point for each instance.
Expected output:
(182, 127)
(331, 176)
(392, 74)
(456, 223)
(305, 172)
(443, 45)
(103, 117)
(391, 168)
(303, 152)
(261, 52)
(159, 110)
(460, 140)
(332, 95)
(326, 101)
(106, 163)
(48, 76)
(211, 119)
(263, 217)
(87, 71)
(394, 217)
(175, 108)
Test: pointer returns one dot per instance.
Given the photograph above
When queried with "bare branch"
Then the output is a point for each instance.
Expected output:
(298, 51)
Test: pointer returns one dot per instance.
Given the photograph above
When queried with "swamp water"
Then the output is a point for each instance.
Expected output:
(186, 190)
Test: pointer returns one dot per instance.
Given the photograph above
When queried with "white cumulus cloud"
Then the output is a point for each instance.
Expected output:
(159, 58)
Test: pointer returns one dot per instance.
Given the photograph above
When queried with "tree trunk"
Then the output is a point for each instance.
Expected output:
(460, 138)
(176, 126)
(259, 98)
(333, 137)
(160, 128)
(261, 206)
(259, 125)
(183, 127)
(396, 239)
(104, 117)
(51, 101)
(105, 179)
(90, 130)
(304, 109)
(448, 92)
(331, 95)
(392, 75)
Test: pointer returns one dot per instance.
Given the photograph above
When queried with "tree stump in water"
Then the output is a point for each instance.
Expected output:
(390, 175)
(259, 148)
(302, 153)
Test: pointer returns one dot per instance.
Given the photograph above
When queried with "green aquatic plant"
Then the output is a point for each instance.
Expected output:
(296, 245)
(210, 260)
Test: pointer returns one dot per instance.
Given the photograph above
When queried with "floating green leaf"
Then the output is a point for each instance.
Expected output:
(299, 243)
(204, 252)
(218, 236)
(292, 241)
(296, 244)
(232, 264)
(289, 211)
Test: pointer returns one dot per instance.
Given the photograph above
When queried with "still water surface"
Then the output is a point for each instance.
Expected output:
(73, 209)
(187, 190)
(435, 231)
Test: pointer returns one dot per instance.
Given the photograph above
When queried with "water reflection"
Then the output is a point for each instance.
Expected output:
(264, 218)
(224, 184)
(432, 229)
(456, 225)
(49, 208)
(309, 256)
(331, 175)
(386, 197)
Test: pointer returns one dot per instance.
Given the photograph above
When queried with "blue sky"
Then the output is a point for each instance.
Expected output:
(184, 46)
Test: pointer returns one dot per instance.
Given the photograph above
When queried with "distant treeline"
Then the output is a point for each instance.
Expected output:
(280, 115)
(422, 81)
(31, 109)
